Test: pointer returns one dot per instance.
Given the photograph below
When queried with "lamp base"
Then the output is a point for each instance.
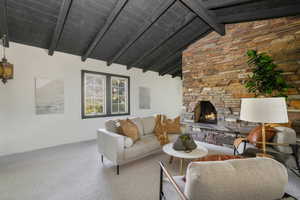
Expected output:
(264, 155)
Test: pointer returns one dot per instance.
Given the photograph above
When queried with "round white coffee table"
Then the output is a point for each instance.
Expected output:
(199, 152)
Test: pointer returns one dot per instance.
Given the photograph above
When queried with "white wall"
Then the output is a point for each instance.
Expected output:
(22, 130)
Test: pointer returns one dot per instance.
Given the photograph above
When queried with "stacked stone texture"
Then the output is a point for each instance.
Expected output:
(215, 67)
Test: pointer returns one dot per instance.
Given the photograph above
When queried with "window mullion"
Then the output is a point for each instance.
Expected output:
(108, 95)
(118, 90)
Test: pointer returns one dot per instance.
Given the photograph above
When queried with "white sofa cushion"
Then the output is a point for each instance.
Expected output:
(246, 179)
(145, 145)
(138, 122)
(128, 142)
(284, 135)
(148, 124)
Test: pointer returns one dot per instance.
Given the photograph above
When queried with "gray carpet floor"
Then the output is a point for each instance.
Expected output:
(73, 172)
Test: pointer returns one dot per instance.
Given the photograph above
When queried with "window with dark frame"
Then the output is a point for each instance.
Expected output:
(104, 94)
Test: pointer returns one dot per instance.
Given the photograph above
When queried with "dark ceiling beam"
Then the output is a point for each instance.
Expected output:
(145, 27)
(3, 22)
(110, 20)
(214, 4)
(171, 55)
(185, 23)
(171, 68)
(62, 17)
(209, 5)
(261, 14)
(206, 15)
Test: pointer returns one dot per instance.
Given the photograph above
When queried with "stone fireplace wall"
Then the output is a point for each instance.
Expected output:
(215, 67)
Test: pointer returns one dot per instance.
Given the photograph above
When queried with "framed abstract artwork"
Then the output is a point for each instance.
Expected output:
(144, 98)
(49, 96)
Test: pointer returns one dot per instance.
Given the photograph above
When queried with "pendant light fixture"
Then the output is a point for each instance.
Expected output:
(6, 69)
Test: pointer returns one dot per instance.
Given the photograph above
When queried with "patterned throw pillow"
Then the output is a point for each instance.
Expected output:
(129, 129)
(173, 125)
(218, 157)
(160, 130)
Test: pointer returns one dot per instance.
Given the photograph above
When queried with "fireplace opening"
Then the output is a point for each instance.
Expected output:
(205, 112)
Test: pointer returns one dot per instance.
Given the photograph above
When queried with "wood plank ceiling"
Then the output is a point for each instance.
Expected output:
(146, 34)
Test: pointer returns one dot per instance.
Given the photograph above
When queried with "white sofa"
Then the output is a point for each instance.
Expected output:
(120, 149)
(246, 179)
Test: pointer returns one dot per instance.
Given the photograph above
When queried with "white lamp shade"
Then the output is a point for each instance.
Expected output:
(264, 110)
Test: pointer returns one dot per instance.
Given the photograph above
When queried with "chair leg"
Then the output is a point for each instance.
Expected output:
(297, 162)
(102, 159)
(161, 184)
(118, 169)
(171, 159)
(295, 153)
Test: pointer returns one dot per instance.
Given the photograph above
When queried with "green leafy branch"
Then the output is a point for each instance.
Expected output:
(265, 79)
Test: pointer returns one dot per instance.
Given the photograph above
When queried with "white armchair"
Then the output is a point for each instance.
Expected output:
(247, 179)
(283, 148)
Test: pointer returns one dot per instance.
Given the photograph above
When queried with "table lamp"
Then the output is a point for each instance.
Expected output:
(264, 110)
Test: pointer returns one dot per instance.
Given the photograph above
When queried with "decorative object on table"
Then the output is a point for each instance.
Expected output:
(184, 142)
(144, 98)
(49, 96)
(266, 79)
(264, 110)
(6, 69)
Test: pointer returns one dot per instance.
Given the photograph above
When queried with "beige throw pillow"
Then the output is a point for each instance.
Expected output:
(148, 125)
(129, 129)
(173, 125)
(138, 122)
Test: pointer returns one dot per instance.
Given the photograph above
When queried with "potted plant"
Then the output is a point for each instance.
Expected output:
(265, 80)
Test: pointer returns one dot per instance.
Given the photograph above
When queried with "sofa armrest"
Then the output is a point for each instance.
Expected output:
(111, 145)
(284, 135)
